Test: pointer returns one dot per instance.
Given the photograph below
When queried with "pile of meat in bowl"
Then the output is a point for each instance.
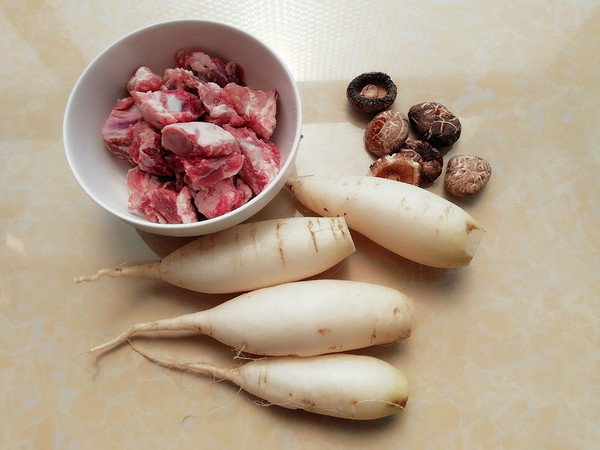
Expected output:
(197, 139)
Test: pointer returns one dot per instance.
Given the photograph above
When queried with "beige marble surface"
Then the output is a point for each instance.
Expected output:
(506, 353)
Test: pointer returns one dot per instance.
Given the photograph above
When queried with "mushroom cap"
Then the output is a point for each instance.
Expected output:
(466, 175)
(398, 167)
(386, 132)
(371, 92)
(435, 123)
(429, 158)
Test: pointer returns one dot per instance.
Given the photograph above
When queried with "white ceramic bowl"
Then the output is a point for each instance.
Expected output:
(103, 176)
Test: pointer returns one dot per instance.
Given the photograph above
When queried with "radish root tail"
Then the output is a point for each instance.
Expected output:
(123, 271)
(121, 338)
(218, 374)
(181, 323)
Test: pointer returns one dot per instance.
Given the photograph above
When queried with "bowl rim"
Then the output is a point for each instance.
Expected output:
(245, 211)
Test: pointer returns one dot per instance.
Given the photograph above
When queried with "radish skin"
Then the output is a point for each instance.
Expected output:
(302, 318)
(249, 256)
(341, 385)
(405, 219)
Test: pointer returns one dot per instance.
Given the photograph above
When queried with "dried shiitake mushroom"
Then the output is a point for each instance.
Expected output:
(466, 175)
(416, 163)
(429, 158)
(434, 123)
(398, 167)
(371, 92)
(386, 132)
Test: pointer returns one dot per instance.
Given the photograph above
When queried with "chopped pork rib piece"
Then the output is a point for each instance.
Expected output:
(144, 80)
(244, 191)
(218, 105)
(209, 68)
(173, 207)
(258, 108)
(201, 172)
(181, 79)
(198, 138)
(162, 108)
(262, 158)
(116, 131)
(140, 185)
(157, 201)
(218, 199)
(145, 150)
(185, 206)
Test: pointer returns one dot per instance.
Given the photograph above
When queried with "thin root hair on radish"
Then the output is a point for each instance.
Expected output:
(239, 354)
(192, 367)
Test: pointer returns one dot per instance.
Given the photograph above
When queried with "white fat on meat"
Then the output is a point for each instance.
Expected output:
(209, 68)
(198, 138)
(161, 108)
(258, 108)
(144, 80)
(218, 105)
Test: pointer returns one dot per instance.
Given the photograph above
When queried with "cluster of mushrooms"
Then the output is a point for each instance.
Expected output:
(415, 161)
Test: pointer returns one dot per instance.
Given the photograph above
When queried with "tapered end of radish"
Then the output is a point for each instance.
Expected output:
(89, 278)
(150, 270)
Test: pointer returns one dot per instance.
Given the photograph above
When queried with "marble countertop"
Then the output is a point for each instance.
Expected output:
(505, 353)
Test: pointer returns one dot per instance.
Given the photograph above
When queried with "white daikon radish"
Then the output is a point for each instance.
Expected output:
(407, 220)
(249, 256)
(302, 318)
(341, 385)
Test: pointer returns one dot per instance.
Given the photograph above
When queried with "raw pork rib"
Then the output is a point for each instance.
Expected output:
(218, 105)
(161, 108)
(145, 150)
(209, 68)
(218, 199)
(201, 172)
(140, 185)
(181, 79)
(144, 80)
(198, 138)
(156, 201)
(172, 206)
(261, 158)
(258, 108)
(244, 191)
(116, 131)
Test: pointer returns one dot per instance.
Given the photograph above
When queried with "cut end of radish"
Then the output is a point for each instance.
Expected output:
(474, 235)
